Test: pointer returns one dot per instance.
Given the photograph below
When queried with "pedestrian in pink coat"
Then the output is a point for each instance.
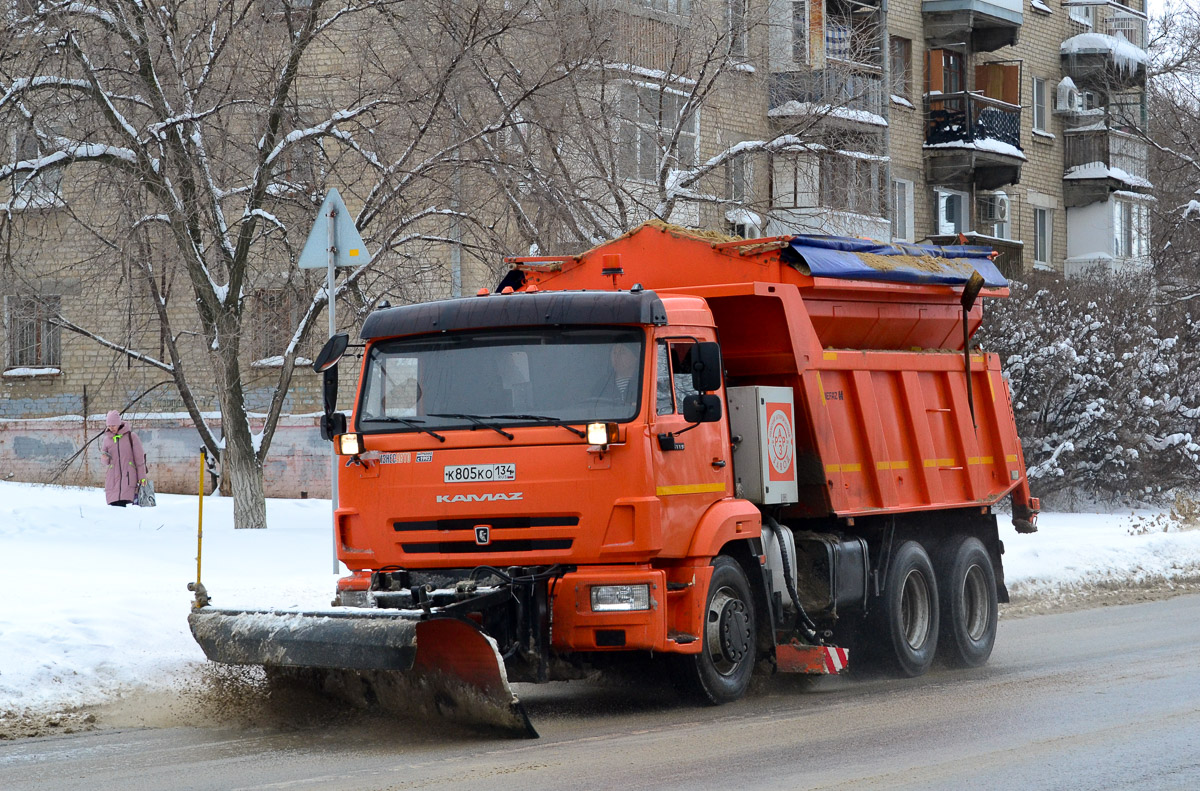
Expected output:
(126, 461)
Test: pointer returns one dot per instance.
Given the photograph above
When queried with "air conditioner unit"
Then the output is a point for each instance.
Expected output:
(993, 208)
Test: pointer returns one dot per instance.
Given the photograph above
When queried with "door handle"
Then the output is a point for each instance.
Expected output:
(718, 463)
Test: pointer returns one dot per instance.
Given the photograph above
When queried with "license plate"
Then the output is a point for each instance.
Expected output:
(479, 473)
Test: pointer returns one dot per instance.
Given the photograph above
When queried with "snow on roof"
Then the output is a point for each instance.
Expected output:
(985, 144)
(1098, 170)
(809, 108)
(1127, 56)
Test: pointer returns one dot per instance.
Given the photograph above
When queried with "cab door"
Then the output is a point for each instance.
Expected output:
(691, 461)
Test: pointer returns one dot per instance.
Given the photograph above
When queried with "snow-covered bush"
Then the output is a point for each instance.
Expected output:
(1106, 388)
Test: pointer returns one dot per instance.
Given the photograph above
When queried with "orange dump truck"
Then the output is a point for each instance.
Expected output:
(727, 455)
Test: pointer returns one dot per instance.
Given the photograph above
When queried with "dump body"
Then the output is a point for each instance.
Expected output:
(883, 423)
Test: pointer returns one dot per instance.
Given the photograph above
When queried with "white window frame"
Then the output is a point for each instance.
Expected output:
(739, 174)
(799, 38)
(1041, 107)
(1083, 14)
(38, 190)
(633, 122)
(1043, 237)
(736, 14)
(902, 210)
(941, 200)
(1131, 228)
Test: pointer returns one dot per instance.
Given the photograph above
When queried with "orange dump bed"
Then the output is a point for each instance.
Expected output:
(884, 419)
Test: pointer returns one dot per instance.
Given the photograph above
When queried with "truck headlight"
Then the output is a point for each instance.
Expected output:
(601, 433)
(620, 598)
(350, 444)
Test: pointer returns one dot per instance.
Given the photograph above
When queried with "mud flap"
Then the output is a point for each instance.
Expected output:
(452, 660)
(812, 659)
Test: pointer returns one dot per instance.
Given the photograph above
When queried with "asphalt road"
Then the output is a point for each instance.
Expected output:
(1094, 699)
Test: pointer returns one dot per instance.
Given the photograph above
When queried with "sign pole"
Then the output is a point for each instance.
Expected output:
(328, 247)
(333, 458)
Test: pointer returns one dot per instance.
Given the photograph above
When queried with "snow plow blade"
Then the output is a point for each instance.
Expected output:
(450, 663)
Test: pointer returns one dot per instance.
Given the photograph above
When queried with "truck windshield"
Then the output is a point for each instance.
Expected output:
(511, 377)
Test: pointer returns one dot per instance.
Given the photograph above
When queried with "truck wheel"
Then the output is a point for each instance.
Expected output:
(969, 604)
(907, 614)
(721, 672)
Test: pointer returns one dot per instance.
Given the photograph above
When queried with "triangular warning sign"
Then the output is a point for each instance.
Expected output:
(348, 247)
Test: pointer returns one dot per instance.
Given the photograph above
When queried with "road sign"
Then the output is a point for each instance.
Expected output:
(333, 242)
(333, 231)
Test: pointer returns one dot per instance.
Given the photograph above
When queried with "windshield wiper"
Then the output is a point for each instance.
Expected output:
(547, 418)
(476, 419)
(408, 421)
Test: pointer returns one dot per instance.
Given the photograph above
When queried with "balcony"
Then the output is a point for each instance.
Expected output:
(1108, 49)
(843, 91)
(1100, 160)
(972, 137)
(987, 24)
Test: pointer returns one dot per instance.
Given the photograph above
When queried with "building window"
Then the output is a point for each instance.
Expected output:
(737, 177)
(1131, 229)
(276, 314)
(32, 190)
(735, 17)
(33, 340)
(1040, 106)
(800, 31)
(901, 57)
(794, 181)
(1043, 223)
(951, 212)
(650, 114)
(853, 184)
(1083, 14)
(902, 210)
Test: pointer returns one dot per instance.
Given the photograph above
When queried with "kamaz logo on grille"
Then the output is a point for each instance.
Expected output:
(479, 498)
(483, 534)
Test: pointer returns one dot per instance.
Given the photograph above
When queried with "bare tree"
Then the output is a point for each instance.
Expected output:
(195, 139)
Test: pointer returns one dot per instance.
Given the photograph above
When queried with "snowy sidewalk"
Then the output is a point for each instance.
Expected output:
(93, 599)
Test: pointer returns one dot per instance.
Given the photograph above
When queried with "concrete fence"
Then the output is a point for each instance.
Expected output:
(47, 450)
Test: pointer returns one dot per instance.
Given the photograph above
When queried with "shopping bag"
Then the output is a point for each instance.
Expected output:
(145, 494)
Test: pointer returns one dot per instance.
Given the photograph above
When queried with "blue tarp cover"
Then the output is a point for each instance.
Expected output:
(838, 256)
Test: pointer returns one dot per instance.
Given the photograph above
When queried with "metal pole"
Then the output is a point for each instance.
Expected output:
(333, 459)
(200, 516)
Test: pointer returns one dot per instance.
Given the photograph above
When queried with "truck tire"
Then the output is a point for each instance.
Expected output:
(721, 672)
(906, 618)
(967, 582)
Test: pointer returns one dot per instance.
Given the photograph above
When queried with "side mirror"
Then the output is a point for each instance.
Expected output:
(702, 408)
(706, 367)
(332, 424)
(331, 353)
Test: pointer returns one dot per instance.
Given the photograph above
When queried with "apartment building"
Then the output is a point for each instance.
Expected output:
(1013, 124)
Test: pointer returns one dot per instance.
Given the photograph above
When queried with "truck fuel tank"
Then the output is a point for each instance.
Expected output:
(832, 572)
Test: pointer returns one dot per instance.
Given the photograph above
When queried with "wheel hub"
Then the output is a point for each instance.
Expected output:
(735, 630)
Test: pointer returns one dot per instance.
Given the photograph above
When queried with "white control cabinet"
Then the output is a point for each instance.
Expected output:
(764, 462)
